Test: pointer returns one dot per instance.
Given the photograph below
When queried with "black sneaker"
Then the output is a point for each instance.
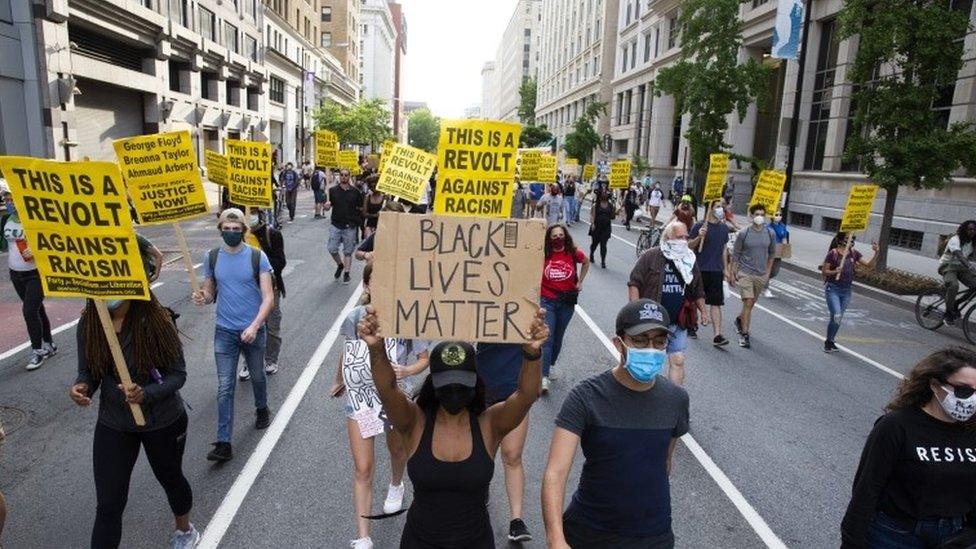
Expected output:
(738, 325)
(744, 341)
(693, 334)
(221, 452)
(263, 419)
(830, 347)
(338, 272)
(346, 278)
(720, 341)
(517, 531)
(950, 319)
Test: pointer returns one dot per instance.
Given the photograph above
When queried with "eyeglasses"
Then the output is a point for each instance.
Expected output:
(961, 391)
(645, 342)
(233, 229)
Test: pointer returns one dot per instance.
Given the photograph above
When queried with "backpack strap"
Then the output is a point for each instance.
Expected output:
(3, 241)
(256, 265)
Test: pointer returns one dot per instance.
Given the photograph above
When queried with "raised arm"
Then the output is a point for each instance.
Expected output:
(402, 412)
(506, 416)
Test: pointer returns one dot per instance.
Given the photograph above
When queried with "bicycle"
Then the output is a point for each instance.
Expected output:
(649, 237)
(930, 312)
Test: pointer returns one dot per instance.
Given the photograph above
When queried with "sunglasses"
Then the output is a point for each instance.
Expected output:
(961, 391)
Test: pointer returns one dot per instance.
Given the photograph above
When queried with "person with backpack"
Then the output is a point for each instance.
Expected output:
(318, 183)
(290, 180)
(238, 278)
(561, 285)
(27, 282)
(272, 243)
(752, 263)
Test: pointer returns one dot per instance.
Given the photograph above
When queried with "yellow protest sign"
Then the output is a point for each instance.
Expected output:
(249, 173)
(216, 164)
(387, 149)
(589, 170)
(857, 212)
(162, 176)
(718, 168)
(620, 174)
(476, 167)
(348, 160)
(769, 190)
(547, 169)
(570, 161)
(529, 164)
(77, 224)
(406, 173)
(326, 149)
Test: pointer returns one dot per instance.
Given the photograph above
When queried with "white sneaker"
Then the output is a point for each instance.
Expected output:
(552, 372)
(768, 294)
(545, 385)
(38, 356)
(394, 499)
(244, 374)
(361, 543)
(184, 540)
(271, 368)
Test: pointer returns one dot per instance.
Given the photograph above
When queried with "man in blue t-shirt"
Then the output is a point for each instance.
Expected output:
(627, 421)
(238, 277)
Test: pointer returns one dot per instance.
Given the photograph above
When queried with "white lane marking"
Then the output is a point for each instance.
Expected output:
(68, 325)
(758, 524)
(225, 514)
(806, 330)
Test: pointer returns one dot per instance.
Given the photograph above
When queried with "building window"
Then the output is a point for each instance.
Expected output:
(904, 238)
(801, 219)
(250, 8)
(230, 37)
(672, 31)
(208, 24)
(623, 67)
(633, 54)
(757, 3)
(630, 8)
(326, 39)
(675, 139)
(647, 47)
(823, 87)
(250, 47)
(276, 90)
(178, 11)
(326, 14)
(829, 224)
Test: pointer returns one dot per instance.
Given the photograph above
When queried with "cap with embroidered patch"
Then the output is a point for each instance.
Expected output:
(453, 362)
(641, 316)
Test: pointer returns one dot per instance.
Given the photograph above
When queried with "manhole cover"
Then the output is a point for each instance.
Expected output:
(11, 419)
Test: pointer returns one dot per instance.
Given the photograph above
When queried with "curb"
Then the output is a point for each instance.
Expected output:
(902, 302)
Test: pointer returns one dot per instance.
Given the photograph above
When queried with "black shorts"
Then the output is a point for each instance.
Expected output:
(580, 536)
(714, 293)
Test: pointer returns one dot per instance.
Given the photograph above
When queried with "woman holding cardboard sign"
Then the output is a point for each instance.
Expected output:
(838, 270)
(154, 356)
(450, 436)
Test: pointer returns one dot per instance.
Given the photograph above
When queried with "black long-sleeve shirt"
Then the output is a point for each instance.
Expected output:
(161, 405)
(913, 467)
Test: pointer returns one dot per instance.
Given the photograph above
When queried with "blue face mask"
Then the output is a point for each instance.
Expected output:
(644, 364)
(114, 304)
(231, 238)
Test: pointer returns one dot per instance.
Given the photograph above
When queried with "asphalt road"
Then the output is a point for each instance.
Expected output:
(776, 430)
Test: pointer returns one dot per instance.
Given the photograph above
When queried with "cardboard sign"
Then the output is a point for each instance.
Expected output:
(407, 172)
(162, 176)
(476, 168)
(76, 221)
(216, 164)
(718, 168)
(326, 149)
(620, 174)
(361, 394)
(769, 190)
(452, 278)
(547, 169)
(589, 170)
(529, 165)
(857, 212)
(249, 173)
(387, 150)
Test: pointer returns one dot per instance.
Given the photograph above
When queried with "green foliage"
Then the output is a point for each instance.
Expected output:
(580, 142)
(534, 136)
(639, 166)
(527, 101)
(423, 130)
(366, 122)
(709, 82)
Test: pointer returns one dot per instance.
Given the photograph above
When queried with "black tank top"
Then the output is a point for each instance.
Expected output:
(450, 499)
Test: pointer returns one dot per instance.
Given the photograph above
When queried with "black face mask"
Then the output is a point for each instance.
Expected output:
(454, 397)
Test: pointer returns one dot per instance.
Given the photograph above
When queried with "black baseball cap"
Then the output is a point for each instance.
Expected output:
(641, 316)
(453, 362)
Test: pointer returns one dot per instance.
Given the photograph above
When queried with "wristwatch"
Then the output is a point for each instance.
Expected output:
(530, 357)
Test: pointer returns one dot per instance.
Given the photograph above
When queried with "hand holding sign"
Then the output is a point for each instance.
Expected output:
(368, 329)
(538, 333)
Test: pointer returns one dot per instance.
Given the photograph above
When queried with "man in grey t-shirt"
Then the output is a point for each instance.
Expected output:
(627, 421)
(752, 262)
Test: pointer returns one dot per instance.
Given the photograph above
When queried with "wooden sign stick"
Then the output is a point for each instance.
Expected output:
(187, 260)
(843, 258)
(120, 367)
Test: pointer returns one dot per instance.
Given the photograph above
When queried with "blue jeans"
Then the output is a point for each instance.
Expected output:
(570, 209)
(838, 297)
(228, 348)
(558, 315)
(888, 533)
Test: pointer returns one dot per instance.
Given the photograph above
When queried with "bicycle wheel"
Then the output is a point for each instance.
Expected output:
(930, 310)
(643, 242)
(969, 325)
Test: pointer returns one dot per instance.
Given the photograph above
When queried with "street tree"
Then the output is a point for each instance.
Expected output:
(580, 142)
(423, 130)
(709, 82)
(908, 58)
(367, 122)
(532, 135)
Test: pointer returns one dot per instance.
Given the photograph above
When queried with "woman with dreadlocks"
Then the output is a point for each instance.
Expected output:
(154, 356)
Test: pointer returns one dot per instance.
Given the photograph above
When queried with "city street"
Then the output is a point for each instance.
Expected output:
(776, 430)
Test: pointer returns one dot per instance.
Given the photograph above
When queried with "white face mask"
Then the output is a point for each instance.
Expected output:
(677, 246)
(778, 218)
(959, 409)
(719, 213)
(759, 219)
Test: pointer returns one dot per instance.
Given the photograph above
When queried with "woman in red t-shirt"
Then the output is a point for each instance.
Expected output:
(561, 283)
